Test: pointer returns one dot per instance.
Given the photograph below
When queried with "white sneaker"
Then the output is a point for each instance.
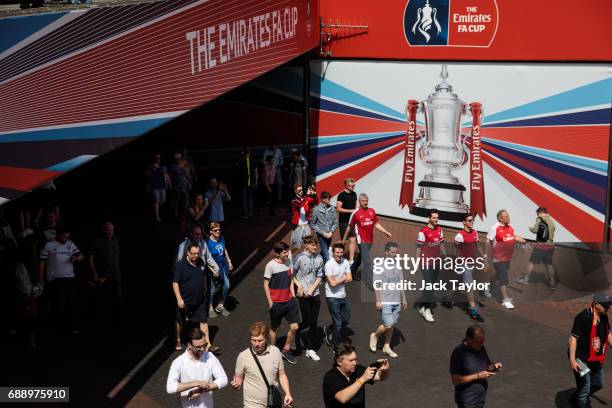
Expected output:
(421, 311)
(427, 315)
(524, 280)
(487, 293)
(373, 342)
(389, 352)
(507, 303)
(312, 355)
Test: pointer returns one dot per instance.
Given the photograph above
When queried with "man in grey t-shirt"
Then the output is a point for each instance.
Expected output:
(308, 274)
(389, 299)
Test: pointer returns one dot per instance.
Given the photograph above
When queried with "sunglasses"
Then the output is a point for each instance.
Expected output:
(199, 348)
(216, 229)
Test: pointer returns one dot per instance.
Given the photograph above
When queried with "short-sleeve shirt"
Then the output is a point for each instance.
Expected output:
(279, 275)
(159, 178)
(185, 369)
(337, 271)
(254, 389)
(307, 268)
(502, 238)
(180, 180)
(430, 240)
(467, 242)
(334, 381)
(363, 221)
(465, 361)
(587, 345)
(392, 276)
(57, 256)
(217, 251)
(106, 257)
(191, 280)
(215, 205)
(349, 202)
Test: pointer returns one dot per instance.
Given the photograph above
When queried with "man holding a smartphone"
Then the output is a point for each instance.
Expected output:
(470, 368)
(344, 385)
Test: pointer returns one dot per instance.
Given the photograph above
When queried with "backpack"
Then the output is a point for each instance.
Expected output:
(543, 234)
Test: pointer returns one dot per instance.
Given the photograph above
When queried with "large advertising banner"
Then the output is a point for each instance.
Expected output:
(74, 85)
(468, 137)
(523, 30)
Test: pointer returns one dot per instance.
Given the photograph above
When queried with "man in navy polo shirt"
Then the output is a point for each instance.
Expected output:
(470, 367)
(189, 287)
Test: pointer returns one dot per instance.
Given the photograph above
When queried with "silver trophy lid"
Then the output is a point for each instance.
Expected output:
(444, 90)
(444, 86)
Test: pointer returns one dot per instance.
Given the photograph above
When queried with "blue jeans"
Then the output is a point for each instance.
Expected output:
(340, 311)
(587, 385)
(324, 244)
(214, 283)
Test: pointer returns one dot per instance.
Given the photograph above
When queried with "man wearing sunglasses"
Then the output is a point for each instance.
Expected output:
(467, 248)
(195, 374)
(588, 343)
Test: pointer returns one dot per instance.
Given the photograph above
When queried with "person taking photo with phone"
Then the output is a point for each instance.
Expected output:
(344, 384)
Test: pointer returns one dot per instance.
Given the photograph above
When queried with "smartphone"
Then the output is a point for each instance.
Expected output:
(376, 365)
(492, 368)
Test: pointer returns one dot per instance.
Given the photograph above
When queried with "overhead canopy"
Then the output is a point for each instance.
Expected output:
(76, 85)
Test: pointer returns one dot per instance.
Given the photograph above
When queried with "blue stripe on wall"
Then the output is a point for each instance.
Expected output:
(597, 202)
(120, 129)
(594, 117)
(16, 29)
(596, 93)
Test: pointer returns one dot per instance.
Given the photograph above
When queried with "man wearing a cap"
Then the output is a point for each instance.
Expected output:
(588, 344)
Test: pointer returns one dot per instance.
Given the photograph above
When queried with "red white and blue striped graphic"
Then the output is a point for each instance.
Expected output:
(550, 151)
(98, 78)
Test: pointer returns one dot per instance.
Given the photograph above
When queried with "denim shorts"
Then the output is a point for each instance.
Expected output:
(390, 314)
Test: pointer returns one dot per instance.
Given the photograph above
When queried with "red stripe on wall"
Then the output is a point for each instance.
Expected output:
(589, 141)
(335, 183)
(331, 123)
(21, 179)
(330, 159)
(580, 223)
(574, 183)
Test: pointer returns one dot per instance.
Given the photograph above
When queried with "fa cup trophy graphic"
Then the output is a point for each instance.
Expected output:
(443, 151)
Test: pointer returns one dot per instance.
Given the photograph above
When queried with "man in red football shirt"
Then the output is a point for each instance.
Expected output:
(466, 241)
(500, 240)
(363, 221)
(429, 245)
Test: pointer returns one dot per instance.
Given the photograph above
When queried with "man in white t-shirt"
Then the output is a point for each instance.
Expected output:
(57, 258)
(390, 300)
(196, 373)
(337, 275)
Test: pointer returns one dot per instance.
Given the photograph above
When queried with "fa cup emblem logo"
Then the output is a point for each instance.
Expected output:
(426, 16)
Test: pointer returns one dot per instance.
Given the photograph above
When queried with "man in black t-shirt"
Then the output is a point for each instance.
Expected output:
(343, 385)
(346, 204)
(588, 344)
(470, 367)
